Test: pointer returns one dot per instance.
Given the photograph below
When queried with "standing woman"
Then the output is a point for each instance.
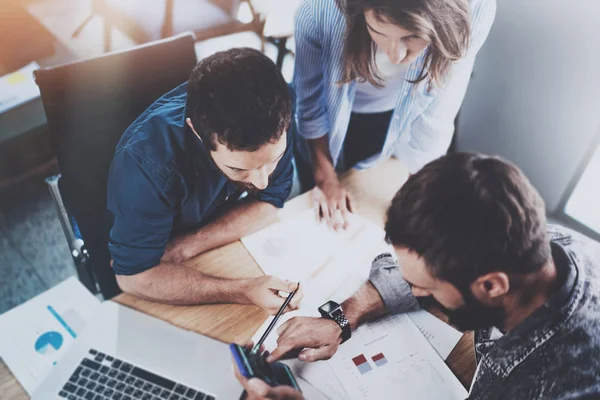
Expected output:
(379, 78)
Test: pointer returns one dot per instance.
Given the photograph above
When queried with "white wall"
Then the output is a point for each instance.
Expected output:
(535, 93)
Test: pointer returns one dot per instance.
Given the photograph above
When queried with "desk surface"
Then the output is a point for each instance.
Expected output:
(372, 189)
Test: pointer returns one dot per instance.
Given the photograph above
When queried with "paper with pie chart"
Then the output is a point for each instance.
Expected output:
(34, 335)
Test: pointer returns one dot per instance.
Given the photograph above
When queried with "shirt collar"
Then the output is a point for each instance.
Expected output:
(507, 352)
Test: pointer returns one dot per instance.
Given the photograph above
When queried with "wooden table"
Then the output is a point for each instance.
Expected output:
(372, 190)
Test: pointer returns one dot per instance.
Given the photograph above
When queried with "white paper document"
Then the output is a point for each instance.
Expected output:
(318, 374)
(390, 359)
(35, 335)
(18, 87)
(302, 250)
(442, 336)
(400, 333)
(391, 355)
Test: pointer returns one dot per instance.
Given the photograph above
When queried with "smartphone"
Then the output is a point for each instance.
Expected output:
(256, 366)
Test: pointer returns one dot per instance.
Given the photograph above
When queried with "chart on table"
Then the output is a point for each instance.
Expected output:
(49, 343)
(362, 364)
(42, 329)
(392, 356)
(379, 359)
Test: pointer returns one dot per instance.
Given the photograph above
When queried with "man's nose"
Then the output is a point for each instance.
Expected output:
(260, 178)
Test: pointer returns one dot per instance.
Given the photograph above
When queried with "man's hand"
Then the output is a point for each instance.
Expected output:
(332, 203)
(257, 389)
(264, 292)
(319, 337)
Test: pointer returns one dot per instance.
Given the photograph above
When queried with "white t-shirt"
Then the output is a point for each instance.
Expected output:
(371, 99)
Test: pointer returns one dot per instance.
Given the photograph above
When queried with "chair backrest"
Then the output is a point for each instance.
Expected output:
(89, 104)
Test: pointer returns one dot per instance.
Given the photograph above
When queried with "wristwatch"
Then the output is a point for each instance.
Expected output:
(333, 311)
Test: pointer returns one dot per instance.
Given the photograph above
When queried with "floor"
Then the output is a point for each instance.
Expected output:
(33, 252)
(34, 255)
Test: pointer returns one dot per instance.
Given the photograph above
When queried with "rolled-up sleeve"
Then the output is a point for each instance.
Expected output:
(311, 114)
(143, 214)
(429, 136)
(393, 289)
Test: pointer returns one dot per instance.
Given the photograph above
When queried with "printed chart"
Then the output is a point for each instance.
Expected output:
(42, 329)
(48, 343)
(392, 356)
(379, 359)
(362, 364)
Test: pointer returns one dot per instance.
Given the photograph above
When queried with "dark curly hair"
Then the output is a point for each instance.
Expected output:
(468, 215)
(239, 98)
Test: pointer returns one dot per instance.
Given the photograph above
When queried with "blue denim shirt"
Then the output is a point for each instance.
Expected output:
(555, 352)
(163, 182)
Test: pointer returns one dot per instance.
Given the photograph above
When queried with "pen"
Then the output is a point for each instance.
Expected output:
(274, 321)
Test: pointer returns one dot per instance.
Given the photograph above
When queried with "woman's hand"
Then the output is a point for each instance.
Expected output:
(332, 203)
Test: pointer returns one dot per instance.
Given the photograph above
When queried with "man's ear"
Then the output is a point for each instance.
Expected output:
(189, 122)
(490, 288)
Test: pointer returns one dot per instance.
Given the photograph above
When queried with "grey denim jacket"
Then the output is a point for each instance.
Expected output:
(555, 352)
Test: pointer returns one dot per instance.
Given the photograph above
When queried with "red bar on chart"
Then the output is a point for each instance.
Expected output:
(362, 364)
(379, 359)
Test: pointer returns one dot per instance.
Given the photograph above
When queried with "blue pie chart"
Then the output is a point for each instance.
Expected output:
(49, 342)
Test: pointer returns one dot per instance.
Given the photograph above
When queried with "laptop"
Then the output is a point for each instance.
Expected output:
(123, 354)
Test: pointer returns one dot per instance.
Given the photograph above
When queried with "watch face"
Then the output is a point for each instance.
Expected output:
(329, 307)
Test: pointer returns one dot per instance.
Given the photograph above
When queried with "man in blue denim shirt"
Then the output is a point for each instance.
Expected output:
(180, 173)
(470, 232)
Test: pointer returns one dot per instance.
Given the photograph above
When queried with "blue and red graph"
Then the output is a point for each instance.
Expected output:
(362, 364)
(379, 359)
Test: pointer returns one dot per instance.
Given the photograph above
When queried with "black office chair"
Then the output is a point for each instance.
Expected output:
(88, 105)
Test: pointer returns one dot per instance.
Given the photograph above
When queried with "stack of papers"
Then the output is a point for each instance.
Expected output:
(35, 335)
(397, 354)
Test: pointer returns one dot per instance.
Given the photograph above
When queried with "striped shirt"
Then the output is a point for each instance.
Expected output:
(422, 123)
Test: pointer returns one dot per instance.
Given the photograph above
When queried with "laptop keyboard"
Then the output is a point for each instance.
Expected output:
(102, 377)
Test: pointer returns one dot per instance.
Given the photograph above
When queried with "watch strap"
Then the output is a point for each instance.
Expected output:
(339, 317)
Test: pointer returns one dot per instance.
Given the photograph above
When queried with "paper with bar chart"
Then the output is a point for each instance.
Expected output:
(392, 356)
(34, 335)
(333, 265)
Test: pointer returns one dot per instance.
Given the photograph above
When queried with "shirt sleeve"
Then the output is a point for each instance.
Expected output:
(311, 113)
(280, 184)
(143, 214)
(430, 134)
(393, 289)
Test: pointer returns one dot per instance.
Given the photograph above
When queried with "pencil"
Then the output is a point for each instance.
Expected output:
(274, 321)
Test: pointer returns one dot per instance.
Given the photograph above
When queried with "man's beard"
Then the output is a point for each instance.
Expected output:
(472, 315)
(245, 187)
(248, 187)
